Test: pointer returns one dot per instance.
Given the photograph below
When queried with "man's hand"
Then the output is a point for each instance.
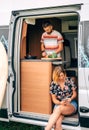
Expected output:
(44, 54)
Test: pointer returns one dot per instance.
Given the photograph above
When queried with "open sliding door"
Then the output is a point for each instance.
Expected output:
(84, 72)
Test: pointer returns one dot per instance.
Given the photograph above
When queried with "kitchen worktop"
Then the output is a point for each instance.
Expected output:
(53, 61)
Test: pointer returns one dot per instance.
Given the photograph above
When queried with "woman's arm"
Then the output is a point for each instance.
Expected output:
(54, 99)
(74, 95)
(74, 89)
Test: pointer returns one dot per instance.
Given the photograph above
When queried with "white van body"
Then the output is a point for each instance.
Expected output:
(19, 20)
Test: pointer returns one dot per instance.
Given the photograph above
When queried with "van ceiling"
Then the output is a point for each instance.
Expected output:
(68, 16)
(62, 16)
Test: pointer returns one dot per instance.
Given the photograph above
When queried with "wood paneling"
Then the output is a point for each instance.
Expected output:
(23, 41)
(35, 81)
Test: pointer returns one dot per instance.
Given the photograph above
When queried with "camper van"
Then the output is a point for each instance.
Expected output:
(27, 98)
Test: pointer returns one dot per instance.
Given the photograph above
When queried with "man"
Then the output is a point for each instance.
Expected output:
(51, 41)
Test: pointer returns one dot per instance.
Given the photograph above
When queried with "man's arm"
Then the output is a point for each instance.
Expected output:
(42, 47)
(60, 47)
(43, 50)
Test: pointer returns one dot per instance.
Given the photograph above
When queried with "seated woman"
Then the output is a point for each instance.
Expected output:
(63, 93)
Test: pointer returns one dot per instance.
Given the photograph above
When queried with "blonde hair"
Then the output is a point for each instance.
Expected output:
(56, 73)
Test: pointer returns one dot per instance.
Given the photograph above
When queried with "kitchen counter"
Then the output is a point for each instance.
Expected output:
(53, 61)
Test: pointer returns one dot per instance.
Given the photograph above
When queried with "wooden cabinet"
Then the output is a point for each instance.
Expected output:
(35, 81)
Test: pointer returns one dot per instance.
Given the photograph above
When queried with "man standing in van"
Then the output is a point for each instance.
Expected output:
(51, 41)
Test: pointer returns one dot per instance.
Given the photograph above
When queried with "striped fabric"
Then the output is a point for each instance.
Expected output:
(51, 41)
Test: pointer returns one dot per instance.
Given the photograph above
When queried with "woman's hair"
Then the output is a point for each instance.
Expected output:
(56, 73)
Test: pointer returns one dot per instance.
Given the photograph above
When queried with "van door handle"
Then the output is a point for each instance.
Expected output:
(84, 109)
(9, 78)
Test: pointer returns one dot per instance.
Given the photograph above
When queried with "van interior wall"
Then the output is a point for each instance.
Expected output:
(34, 33)
(71, 37)
(71, 68)
(23, 40)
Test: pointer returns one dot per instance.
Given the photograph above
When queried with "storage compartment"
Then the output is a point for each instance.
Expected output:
(35, 82)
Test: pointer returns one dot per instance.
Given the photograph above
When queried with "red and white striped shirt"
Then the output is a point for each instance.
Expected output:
(51, 41)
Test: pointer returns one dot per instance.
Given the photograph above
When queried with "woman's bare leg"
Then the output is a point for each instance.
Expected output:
(60, 110)
(67, 110)
(58, 125)
(53, 118)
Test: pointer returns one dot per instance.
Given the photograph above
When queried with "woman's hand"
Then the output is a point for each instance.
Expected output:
(63, 102)
(66, 101)
(69, 100)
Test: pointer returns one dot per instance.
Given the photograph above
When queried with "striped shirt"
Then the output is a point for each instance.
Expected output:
(51, 41)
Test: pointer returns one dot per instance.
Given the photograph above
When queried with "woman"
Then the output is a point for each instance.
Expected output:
(63, 93)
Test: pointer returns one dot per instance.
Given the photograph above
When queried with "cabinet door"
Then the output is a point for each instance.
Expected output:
(35, 81)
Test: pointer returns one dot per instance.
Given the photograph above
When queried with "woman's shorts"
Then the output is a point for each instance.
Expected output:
(74, 103)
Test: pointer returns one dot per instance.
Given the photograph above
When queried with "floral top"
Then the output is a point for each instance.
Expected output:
(66, 92)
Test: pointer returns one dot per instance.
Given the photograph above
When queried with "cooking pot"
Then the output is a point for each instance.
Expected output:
(30, 57)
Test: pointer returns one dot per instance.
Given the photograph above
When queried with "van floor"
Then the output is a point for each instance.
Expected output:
(71, 120)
